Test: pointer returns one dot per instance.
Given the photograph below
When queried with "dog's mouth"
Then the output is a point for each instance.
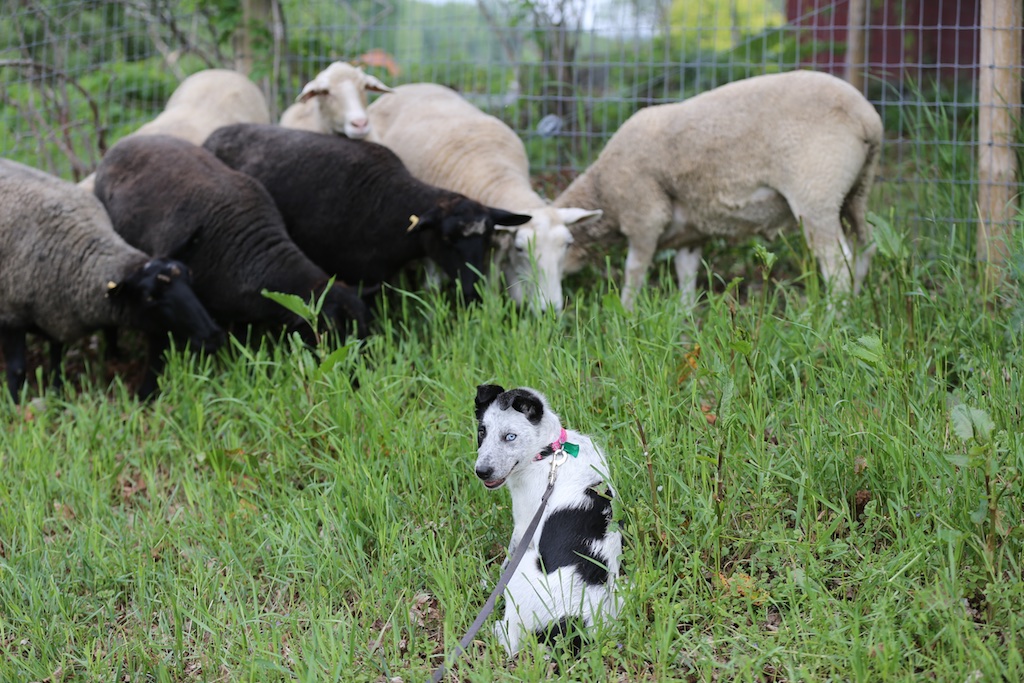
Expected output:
(496, 483)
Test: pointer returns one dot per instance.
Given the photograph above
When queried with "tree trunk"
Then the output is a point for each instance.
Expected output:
(998, 111)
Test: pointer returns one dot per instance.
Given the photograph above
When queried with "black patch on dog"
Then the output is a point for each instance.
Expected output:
(481, 434)
(560, 629)
(485, 395)
(524, 402)
(567, 536)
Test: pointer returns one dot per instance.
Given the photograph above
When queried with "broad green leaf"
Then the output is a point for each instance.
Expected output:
(960, 419)
(335, 357)
(979, 514)
(293, 303)
(958, 460)
(871, 350)
(983, 424)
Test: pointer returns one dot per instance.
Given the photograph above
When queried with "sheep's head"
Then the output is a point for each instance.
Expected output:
(161, 298)
(536, 262)
(456, 235)
(340, 92)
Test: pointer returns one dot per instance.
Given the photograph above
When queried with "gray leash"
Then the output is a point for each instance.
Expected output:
(524, 543)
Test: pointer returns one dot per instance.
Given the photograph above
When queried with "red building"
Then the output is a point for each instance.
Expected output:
(915, 39)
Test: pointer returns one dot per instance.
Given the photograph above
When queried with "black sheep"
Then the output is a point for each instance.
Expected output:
(355, 209)
(169, 196)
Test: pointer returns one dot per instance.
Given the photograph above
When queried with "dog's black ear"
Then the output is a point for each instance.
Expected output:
(529, 405)
(485, 395)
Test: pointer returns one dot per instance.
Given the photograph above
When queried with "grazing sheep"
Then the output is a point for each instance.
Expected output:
(568, 574)
(354, 208)
(750, 157)
(203, 102)
(64, 273)
(170, 197)
(446, 141)
(334, 102)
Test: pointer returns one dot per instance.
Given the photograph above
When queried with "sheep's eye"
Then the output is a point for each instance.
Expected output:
(510, 437)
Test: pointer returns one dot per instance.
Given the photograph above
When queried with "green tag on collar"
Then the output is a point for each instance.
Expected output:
(571, 448)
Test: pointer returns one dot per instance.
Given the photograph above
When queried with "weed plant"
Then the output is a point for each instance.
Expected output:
(808, 491)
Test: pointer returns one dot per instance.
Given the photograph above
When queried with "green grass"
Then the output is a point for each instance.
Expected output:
(815, 513)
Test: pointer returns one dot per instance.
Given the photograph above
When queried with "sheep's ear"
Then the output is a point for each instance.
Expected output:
(507, 218)
(429, 220)
(315, 88)
(485, 395)
(374, 84)
(579, 216)
(530, 406)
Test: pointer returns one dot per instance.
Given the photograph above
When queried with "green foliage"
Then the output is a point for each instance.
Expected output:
(803, 490)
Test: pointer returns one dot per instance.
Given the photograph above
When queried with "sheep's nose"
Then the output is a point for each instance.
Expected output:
(359, 123)
(485, 473)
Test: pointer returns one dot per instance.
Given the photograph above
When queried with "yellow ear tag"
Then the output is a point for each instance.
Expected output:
(414, 220)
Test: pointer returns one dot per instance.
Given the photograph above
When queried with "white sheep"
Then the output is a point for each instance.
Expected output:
(751, 157)
(335, 102)
(446, 141)
(201, 104)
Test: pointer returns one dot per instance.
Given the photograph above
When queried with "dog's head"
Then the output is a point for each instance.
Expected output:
(512, 428)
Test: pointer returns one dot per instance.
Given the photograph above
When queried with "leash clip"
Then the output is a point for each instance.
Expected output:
(557, 458)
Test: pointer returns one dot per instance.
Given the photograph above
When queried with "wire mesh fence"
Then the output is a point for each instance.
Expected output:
(563, 73)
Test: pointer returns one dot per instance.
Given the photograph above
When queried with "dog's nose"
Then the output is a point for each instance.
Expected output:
(485, 473)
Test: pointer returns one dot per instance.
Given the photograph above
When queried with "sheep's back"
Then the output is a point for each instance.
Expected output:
(446, 141)
(166, 195)
(58, 251)
(205, 101)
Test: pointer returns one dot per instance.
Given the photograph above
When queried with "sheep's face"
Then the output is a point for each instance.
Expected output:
(457, 236)
(340, 92)
(512, 428)
(537, 260)
(161, 296)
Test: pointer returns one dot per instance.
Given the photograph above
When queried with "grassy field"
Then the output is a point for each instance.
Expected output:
(826, 492)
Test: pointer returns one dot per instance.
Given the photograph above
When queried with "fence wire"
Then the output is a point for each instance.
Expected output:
(563, 73)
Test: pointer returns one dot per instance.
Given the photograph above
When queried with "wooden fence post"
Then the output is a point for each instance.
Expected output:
(856, 37)
(256, 15)
(999, 112)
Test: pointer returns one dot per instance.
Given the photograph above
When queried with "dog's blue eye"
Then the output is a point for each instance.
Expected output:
(510, 437)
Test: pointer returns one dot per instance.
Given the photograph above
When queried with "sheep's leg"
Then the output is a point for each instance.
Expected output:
(687, 263)
(829, 245)
(638, 262)
(56, 367)
(156, 346)
(15, 348)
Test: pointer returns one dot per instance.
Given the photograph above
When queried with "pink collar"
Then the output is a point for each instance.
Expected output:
(554, 446)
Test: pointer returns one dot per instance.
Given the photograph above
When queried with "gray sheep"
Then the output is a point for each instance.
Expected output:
(751, 157)
(170, 197)
(354, 207)
(65, 273)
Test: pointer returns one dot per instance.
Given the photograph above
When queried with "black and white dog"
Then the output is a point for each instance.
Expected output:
(568, 573)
